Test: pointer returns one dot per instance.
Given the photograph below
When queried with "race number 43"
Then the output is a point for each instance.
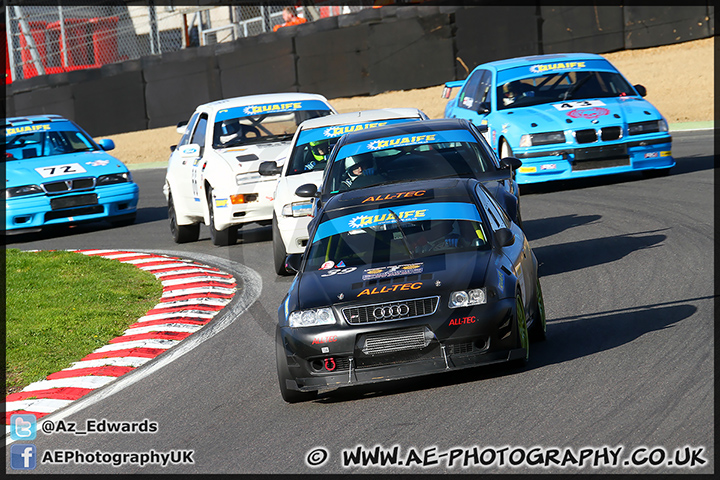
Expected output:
(58, 170)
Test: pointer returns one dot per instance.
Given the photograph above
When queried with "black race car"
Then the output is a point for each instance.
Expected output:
(407, 279)
(417, 151)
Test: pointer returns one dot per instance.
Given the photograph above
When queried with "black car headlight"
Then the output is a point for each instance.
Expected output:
(535, 139)
(466, 298)
(647, 127)
(24, 190)
(114, 178)
(312, 317)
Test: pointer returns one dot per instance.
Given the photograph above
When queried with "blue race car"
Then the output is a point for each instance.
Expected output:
(56, 174)
(564, 116)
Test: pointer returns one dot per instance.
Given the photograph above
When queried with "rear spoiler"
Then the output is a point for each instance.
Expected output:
(449, 86)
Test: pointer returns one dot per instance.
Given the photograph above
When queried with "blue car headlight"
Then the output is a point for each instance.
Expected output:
(535, 139)
(114, 178)
(647, 127)
(466, 298)
(24, 190)
(312, 317)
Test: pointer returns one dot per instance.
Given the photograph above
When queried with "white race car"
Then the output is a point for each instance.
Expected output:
(212, 175)
(306, 162)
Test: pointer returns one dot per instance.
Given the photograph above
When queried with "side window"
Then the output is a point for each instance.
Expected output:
(467, 97)
(199, 134)
(186, 136)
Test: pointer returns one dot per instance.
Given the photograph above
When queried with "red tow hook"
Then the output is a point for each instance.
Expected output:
(330, 364)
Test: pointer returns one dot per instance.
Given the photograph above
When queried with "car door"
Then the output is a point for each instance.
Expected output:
(516, 257)
(474, 99)
(192, 166)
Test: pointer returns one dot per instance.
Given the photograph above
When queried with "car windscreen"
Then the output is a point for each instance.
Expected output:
(313, 145)
(446, 153)
(562, 86)
(387, 235)
(263, 123)
(45, 140)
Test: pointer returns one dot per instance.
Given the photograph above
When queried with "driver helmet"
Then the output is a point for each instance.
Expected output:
(319, 149)
(229, 130)
(351, 163)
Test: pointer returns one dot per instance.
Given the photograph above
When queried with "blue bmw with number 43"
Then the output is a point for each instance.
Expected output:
(55, 173)
(564, 116)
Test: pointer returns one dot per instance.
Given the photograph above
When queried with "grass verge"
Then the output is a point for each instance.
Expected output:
(60, 306)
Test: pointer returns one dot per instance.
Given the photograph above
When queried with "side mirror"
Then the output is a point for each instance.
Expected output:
(190, 151)
(172, 148)
(106, 144)
(308, 190)
(511, 162)
(483, 107)
(504, 237)
(181, 127)
(269, 168)
(293, 261)
(640, 89)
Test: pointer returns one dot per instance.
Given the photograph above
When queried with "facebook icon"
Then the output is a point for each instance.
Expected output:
(22, 457)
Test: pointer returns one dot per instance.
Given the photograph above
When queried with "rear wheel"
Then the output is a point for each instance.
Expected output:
(279, 252)
(181, 233)
(538, 328)
(223, 237)
(283, 373)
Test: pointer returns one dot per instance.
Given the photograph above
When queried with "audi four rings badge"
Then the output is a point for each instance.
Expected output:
(391, 312)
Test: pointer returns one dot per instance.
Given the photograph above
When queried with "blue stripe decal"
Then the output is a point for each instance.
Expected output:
(429, 138)
(407, 213)
(253, 110)
(529, 70)
(335, 131)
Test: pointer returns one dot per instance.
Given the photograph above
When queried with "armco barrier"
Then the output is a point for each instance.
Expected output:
(647, 26)
(257, 66)
(493, 33)
(412, 53)
(175, 86)
(580, 29)
(371, 51)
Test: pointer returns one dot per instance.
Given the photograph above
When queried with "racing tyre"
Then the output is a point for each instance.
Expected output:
(221, 238)
(538, 328)
(181, 233)
(523, 336)
(279, 253)
(283, 373)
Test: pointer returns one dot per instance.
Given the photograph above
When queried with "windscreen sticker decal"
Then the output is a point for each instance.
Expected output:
(392, 271)
(406, 213)
(556, 66)
(283, 107)
(395, 196)
(336, 131)
(524, 70)
(28, 129)
(444, 136)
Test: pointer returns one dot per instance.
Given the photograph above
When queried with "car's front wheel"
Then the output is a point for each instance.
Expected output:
(522, 332)
(505, 150)
(223, 237)
(181, 233)
(279, 252)
(283, 373)
(538, 328)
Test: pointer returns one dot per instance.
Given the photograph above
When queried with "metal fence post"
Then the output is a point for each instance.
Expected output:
(30, 41)
(63, 39)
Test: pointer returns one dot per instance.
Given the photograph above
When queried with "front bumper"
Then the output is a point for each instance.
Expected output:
(31, 213)
(557, 162)
(320, 358)
(294, 232)
(258, 209)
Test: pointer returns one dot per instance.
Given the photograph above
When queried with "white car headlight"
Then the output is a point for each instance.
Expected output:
(312, 317)
(526, 141)
(462, 298)
(245, 178)
(297, 209)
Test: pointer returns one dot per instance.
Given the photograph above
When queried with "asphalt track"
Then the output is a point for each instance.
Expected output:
(627, 274)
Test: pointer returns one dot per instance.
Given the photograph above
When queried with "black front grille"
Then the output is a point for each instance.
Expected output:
(392, 341)
(75, 212)
(73, 201)
(586, 136)
(389, 311)
(610, 133)
(70, 185)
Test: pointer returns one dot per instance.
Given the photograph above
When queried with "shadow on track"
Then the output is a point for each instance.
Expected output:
(547, 227)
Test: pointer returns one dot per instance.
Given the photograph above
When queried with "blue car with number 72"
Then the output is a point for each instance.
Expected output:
(564, 116)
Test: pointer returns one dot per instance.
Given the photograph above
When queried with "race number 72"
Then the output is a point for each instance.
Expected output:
(58, 170)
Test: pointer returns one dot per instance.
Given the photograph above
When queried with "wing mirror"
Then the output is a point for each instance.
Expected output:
(511, 162)
(106, 144)
(293, 261)
(641, 90)
(181, 127)
(504, 237)
(483, 107)
(309, 190)
(269, 168)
